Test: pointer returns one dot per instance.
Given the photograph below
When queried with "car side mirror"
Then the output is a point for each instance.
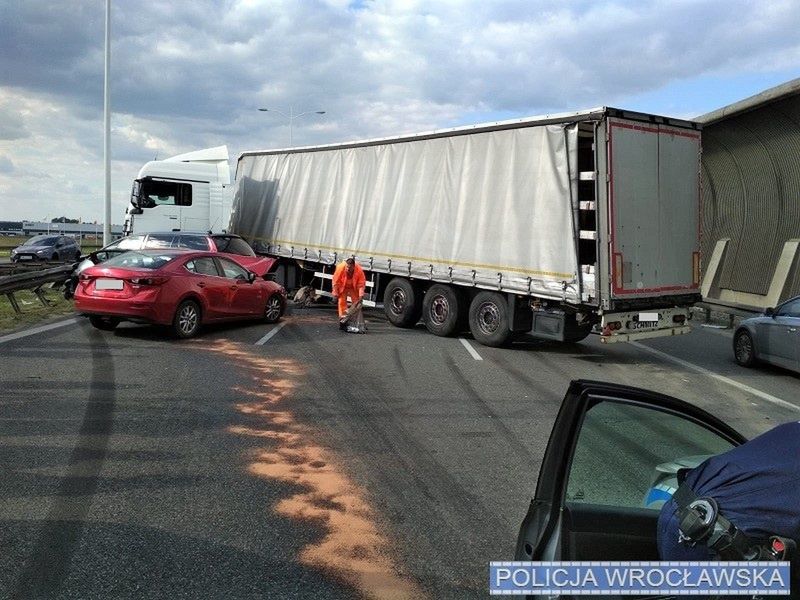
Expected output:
(770, 312)
(251, 277)
(135, 210)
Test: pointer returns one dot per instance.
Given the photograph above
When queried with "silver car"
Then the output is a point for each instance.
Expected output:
(773, 337)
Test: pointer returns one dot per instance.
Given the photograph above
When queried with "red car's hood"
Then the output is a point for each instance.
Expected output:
(260, 265)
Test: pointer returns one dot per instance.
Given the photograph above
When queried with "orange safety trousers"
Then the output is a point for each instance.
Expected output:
(348, 290)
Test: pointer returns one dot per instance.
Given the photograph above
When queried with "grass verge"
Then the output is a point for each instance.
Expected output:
(32, 310)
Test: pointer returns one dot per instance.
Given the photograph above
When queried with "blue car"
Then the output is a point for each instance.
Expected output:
(46, 248)
(773, 337)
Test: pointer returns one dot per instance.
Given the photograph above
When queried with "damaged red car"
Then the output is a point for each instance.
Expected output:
(180, 289)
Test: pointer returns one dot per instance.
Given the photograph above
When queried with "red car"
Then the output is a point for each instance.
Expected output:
(177, 288)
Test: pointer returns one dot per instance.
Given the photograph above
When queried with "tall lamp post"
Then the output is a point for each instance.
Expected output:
(107, 131)
(292, 116)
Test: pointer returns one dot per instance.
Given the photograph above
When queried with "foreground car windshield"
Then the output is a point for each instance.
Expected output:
(138, 260)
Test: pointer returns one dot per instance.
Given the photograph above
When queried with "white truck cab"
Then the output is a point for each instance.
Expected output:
(186, 192)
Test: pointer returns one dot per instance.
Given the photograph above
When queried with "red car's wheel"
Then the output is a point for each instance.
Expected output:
(273, 310)
(187, 319)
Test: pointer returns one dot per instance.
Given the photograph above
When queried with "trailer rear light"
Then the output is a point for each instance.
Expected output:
(696, 268)
(611, 327)
(618, 270)
(148, 280)
(679, 319)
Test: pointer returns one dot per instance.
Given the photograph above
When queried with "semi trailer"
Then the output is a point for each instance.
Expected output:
(557, 226)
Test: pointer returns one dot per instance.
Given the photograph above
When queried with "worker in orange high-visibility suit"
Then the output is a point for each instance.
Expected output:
(348, 280)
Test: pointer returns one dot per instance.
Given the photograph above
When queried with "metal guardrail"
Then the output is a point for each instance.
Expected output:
(34, 281)
(729, 312)
(9, 268)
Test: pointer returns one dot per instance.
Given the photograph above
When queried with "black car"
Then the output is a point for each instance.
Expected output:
(611, 463)
(47, 248)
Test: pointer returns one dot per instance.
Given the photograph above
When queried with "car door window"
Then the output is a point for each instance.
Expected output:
(790, 309)
(628, 455)
(203, 266)
(232, 270)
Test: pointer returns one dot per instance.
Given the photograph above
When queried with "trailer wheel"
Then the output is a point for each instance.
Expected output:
(489, 319)
(440, 310)
(402, 303)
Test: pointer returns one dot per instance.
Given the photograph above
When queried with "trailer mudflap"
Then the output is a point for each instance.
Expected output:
(644, 335)
(558, 326)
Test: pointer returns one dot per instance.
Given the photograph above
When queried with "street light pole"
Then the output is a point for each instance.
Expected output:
(107, 130)
(291, 116)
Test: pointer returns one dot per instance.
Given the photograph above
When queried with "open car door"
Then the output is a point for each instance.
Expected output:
(610, 464)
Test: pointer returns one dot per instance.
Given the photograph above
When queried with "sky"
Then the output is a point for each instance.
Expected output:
(187, 75)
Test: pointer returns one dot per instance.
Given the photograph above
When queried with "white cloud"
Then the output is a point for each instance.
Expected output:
(191, 75)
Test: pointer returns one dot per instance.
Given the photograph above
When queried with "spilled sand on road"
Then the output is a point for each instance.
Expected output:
(352, 549)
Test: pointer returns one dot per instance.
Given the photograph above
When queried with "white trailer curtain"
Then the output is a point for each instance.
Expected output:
(493, 207)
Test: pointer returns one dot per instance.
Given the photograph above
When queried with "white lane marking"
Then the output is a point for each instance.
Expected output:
(718, 377)
(269, 335)
(41, 329)
(470, 349)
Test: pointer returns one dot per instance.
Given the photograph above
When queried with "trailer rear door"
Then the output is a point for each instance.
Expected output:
(654, 209)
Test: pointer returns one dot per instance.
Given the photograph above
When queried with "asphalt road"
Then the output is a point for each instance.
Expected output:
(316, 464)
